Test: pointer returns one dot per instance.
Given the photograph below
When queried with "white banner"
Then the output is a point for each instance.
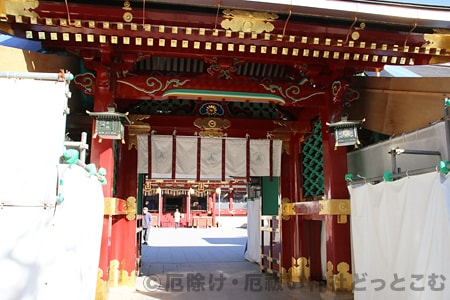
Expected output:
(142, 154)
(401, 239)
(259, 158)
(211, 165)
(277, 151)
(162, 156)
(211, 158)
(186, 158)
(236, 158)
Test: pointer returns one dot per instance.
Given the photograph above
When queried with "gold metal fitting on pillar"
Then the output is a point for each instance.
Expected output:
(287, 209)
(339, 207)
(131, 208)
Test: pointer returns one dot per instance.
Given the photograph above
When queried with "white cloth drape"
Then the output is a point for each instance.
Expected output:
(259, 158)
(401, 238)
(53, 253)
(162, 156)
(186, 157)
(28, 157)
(46, 252)
(253, 250)
(210, 157)
(236, 159)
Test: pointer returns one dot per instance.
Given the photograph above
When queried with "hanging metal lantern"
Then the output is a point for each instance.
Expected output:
(346, 132)
(109, 125)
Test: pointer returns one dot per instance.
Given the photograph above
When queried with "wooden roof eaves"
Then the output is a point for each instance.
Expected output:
(268, 49)
(164, 37)
(378, 14)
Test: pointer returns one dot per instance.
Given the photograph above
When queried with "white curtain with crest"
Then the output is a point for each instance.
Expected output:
(263, 159)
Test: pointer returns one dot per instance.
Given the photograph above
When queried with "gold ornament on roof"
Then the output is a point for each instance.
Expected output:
(127, 5)
(248, 21)
(439, 39)
(128, 17)
(211, 110)
(212, 127)
(136, 128)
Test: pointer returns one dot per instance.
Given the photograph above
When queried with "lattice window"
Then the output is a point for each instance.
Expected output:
(313, 163)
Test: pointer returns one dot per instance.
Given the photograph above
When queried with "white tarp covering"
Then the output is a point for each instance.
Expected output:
(47, 251)
(33, 133)
(401, 238)
(210, 155)
(53, 253)
(252, 253)
(374, 160)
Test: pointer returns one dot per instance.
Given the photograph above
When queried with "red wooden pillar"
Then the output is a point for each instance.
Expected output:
(124, 242)
(339, 279)
(188, 208)
(213, 208)
(116, 250)
(122, 246)
(160, 207)
(294, 264)
(101, 154)
(230, 197)
(127, 178)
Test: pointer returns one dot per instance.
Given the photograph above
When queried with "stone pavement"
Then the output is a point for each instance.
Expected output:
(208, 263)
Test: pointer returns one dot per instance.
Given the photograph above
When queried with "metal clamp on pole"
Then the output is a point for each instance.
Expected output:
(82, 146)
(394, 152)
(61, 76)
(443, 168)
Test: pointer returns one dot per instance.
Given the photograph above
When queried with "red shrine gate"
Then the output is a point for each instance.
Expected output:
(226, 71)
(197, 202)
(189, 172)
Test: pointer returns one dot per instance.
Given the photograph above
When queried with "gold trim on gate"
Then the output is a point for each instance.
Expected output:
(287, 209)
(339, 207)
(120, 277)
(300, 270)
(248, 21)
(131, 208)
(136, 128)
(440, 39)
(101, 291)
(110, 208)
(212, 127)
(114, 206)
(342, 281)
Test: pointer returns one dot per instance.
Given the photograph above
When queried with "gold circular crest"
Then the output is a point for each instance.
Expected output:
(343, 207)
(355, 35)
(212, 123)
(127, 17)
(211, 110)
